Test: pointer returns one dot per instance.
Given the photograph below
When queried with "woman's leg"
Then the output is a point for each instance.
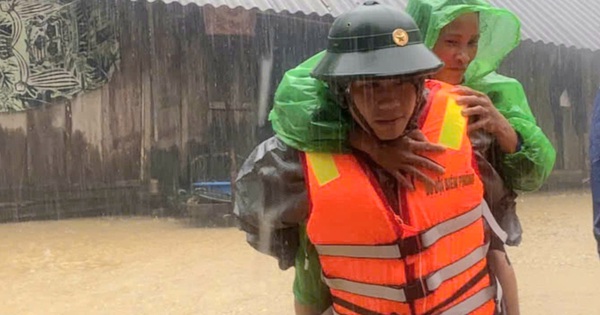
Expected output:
(502, 268)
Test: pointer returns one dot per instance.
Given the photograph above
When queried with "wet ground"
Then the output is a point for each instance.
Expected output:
(163, 266)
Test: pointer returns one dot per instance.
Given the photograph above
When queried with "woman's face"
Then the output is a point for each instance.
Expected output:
(457, 47)
(385, 104)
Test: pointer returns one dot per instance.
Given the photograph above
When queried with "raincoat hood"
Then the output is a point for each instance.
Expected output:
(500, 30)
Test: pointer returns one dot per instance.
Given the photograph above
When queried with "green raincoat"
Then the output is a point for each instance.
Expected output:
(305, 118)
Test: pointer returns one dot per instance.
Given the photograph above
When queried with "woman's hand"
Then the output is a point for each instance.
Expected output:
(401, 157)
(486, 117)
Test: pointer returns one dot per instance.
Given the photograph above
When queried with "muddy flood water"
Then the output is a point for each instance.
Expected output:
(164, 266)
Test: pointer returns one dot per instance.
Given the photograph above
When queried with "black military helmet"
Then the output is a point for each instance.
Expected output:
(375, 40)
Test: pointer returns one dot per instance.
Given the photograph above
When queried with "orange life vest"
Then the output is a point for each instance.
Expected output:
(429, 260)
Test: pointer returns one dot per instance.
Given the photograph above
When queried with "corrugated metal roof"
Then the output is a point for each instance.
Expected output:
(571, 23)
(320, 7)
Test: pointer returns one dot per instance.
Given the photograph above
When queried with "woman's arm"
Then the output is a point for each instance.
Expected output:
(527, 168)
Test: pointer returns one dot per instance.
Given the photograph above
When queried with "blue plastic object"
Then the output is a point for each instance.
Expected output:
(218, 187)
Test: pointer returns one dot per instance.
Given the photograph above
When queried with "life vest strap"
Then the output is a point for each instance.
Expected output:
(489, 218)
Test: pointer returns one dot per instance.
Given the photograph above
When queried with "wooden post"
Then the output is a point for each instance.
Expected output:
(229, 120)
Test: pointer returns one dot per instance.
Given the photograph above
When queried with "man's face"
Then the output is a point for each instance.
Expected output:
(385, 104)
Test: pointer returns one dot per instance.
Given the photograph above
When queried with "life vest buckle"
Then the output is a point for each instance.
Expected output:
(411, 245)
(415, 290)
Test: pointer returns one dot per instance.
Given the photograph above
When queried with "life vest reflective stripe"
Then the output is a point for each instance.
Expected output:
(398, 294)
(393, 251)
(427, 261)
(355, 309)
(426, 239)
(465, 307)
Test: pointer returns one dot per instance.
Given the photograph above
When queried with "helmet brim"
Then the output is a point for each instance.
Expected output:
(388, 62)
